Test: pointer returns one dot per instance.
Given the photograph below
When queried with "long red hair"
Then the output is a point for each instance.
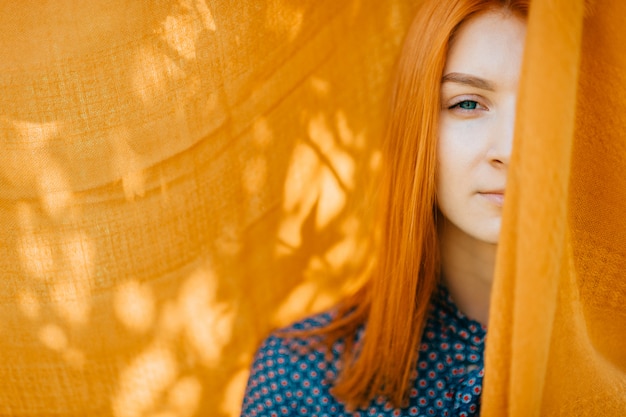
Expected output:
(394, 303)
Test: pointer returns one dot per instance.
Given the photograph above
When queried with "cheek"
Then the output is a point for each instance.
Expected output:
(460, 149)
(453, 160)
(456, 157)
(450, 181)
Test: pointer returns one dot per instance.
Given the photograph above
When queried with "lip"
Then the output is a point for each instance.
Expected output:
(496, 197)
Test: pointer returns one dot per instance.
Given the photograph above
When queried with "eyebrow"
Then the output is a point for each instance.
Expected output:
(466, 79)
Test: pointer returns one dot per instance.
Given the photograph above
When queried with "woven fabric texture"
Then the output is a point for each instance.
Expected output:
(556, 343)
(177, 177)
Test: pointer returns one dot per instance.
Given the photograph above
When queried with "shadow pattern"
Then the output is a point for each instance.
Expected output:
(177, 178)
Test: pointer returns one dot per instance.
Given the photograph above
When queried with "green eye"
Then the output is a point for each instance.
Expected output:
(468, 105)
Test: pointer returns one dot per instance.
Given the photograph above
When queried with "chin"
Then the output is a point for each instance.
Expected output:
(492, 238)
(491, 235)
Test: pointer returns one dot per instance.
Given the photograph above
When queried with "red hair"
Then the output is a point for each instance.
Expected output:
(394, 303)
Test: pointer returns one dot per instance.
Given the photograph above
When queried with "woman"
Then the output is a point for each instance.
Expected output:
(411, 341)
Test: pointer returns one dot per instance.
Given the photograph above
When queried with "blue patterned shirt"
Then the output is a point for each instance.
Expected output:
(289, 378)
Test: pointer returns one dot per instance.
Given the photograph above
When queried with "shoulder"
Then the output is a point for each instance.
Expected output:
(288, 372)
(315, 321)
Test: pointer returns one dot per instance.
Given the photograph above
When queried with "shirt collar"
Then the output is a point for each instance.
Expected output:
(447, 313)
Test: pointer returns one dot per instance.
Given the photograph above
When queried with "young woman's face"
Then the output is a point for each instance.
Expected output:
(478, 96)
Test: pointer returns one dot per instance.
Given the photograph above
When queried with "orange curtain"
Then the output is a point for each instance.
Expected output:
(557, 333)
(179, 176)
(176, 178)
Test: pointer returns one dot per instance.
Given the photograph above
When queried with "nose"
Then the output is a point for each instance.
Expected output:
(499, 153)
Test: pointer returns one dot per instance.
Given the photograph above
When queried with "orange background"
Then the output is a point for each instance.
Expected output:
(557, 330)
(177, 177)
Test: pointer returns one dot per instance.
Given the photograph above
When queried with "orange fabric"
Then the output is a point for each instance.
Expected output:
(176, 178)
(557, 332)
(179, 176)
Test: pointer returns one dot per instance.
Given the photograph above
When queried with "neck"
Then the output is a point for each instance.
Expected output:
(467, 266)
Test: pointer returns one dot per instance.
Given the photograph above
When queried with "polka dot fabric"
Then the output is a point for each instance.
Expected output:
(288, 378)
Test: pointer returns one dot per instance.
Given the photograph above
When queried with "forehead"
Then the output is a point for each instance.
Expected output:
(489, 45)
